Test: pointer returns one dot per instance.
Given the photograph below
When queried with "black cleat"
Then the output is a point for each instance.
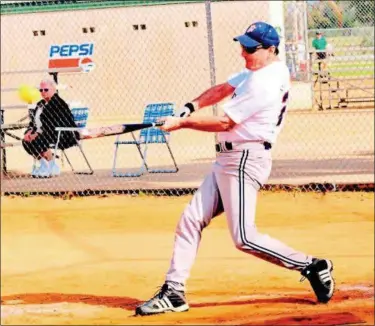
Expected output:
(319, 273)
(165, 300)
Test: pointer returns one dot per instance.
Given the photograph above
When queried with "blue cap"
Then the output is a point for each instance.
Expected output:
(259, 33)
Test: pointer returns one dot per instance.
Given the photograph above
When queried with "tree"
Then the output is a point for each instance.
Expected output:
(364, 12)
(321, 16)
(339, 13)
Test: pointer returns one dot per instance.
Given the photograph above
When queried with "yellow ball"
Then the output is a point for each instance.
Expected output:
(28, 94)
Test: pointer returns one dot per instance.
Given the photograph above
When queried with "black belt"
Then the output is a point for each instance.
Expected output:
(228, 146)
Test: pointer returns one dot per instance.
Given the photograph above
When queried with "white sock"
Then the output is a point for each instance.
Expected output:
(176, 286)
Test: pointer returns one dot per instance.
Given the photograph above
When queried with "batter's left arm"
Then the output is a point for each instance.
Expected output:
(210, 97)
(213, 95)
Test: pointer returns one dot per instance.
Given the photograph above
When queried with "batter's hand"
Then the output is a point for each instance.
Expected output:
(170, 123)
(186, 110)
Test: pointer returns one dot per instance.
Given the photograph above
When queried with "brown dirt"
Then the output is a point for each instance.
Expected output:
(92, 260)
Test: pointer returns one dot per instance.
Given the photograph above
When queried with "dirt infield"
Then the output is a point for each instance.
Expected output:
(92, 260)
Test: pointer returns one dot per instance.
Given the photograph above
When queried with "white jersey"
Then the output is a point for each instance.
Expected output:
(258, 104)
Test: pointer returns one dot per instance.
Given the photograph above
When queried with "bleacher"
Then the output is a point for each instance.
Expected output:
(347, 81)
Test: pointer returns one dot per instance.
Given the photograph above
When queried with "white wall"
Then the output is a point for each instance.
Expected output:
(166, 62)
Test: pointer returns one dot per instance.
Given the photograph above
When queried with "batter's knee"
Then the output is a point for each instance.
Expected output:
(241, 245)
(189, 220)
(243, 240)
(197, 216)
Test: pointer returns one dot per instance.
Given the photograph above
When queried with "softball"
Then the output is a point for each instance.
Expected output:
(28, 94)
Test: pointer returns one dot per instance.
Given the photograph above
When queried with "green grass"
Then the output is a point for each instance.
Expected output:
(343, 41)
(355, 69)
(360, 73)
(351, 66)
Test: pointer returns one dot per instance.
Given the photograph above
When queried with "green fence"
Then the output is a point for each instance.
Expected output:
(8, 7)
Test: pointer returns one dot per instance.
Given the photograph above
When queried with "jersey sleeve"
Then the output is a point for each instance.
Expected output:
(237, 78)
(256, 97)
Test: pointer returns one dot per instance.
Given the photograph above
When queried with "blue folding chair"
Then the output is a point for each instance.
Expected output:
(148, 136)
(80, 116)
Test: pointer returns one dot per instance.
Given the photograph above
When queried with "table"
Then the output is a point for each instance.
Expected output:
(5, 130)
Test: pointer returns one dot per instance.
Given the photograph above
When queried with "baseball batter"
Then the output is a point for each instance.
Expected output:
(249, 127)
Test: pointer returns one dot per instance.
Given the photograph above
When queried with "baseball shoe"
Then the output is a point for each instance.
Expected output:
(166, 299)
(319, 273)
(43, 171)
(54, 168)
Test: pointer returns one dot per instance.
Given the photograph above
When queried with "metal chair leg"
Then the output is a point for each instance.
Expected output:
(86, 160)
(174, 161)
(56, 146)
(137, 143)
(129, 174)
(67, 159)
(115, 156)
(91, 171)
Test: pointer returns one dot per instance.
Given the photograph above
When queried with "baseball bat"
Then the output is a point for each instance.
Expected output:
(88, 133)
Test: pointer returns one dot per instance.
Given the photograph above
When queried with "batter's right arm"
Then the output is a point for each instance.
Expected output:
(210, 97)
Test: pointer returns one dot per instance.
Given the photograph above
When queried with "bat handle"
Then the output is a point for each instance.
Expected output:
(158, 124)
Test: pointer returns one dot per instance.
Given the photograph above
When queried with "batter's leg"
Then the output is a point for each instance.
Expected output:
(239, 184)
(205, 204)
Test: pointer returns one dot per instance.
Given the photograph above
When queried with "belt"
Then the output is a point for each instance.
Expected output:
(229, 146)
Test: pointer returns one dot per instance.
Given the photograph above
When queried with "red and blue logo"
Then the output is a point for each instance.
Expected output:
(71, 56)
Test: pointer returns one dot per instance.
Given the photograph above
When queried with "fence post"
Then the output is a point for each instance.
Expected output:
(211, 53)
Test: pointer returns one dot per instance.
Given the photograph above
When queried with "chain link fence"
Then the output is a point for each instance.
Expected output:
(170, 51)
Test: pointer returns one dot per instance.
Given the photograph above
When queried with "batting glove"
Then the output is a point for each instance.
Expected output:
(185, 111)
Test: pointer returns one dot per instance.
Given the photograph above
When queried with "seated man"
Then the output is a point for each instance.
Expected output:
(49, 113)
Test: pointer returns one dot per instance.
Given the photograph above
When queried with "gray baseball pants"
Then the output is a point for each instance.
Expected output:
(231, 187)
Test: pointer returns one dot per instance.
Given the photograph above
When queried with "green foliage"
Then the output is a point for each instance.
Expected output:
(367, 40)
(354, 14)
(349, 17)
(364, 11)
(316, 20)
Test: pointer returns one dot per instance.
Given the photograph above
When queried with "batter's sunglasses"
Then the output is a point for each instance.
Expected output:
(256, 48)
(253, 49)
(43, 90)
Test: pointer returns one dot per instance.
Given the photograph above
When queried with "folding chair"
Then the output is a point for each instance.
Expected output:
(80, 116)
(148, 136)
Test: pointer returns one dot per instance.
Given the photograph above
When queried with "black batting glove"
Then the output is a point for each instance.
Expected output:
(185, 111)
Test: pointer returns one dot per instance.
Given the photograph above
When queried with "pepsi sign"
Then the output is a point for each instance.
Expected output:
(71, 55)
